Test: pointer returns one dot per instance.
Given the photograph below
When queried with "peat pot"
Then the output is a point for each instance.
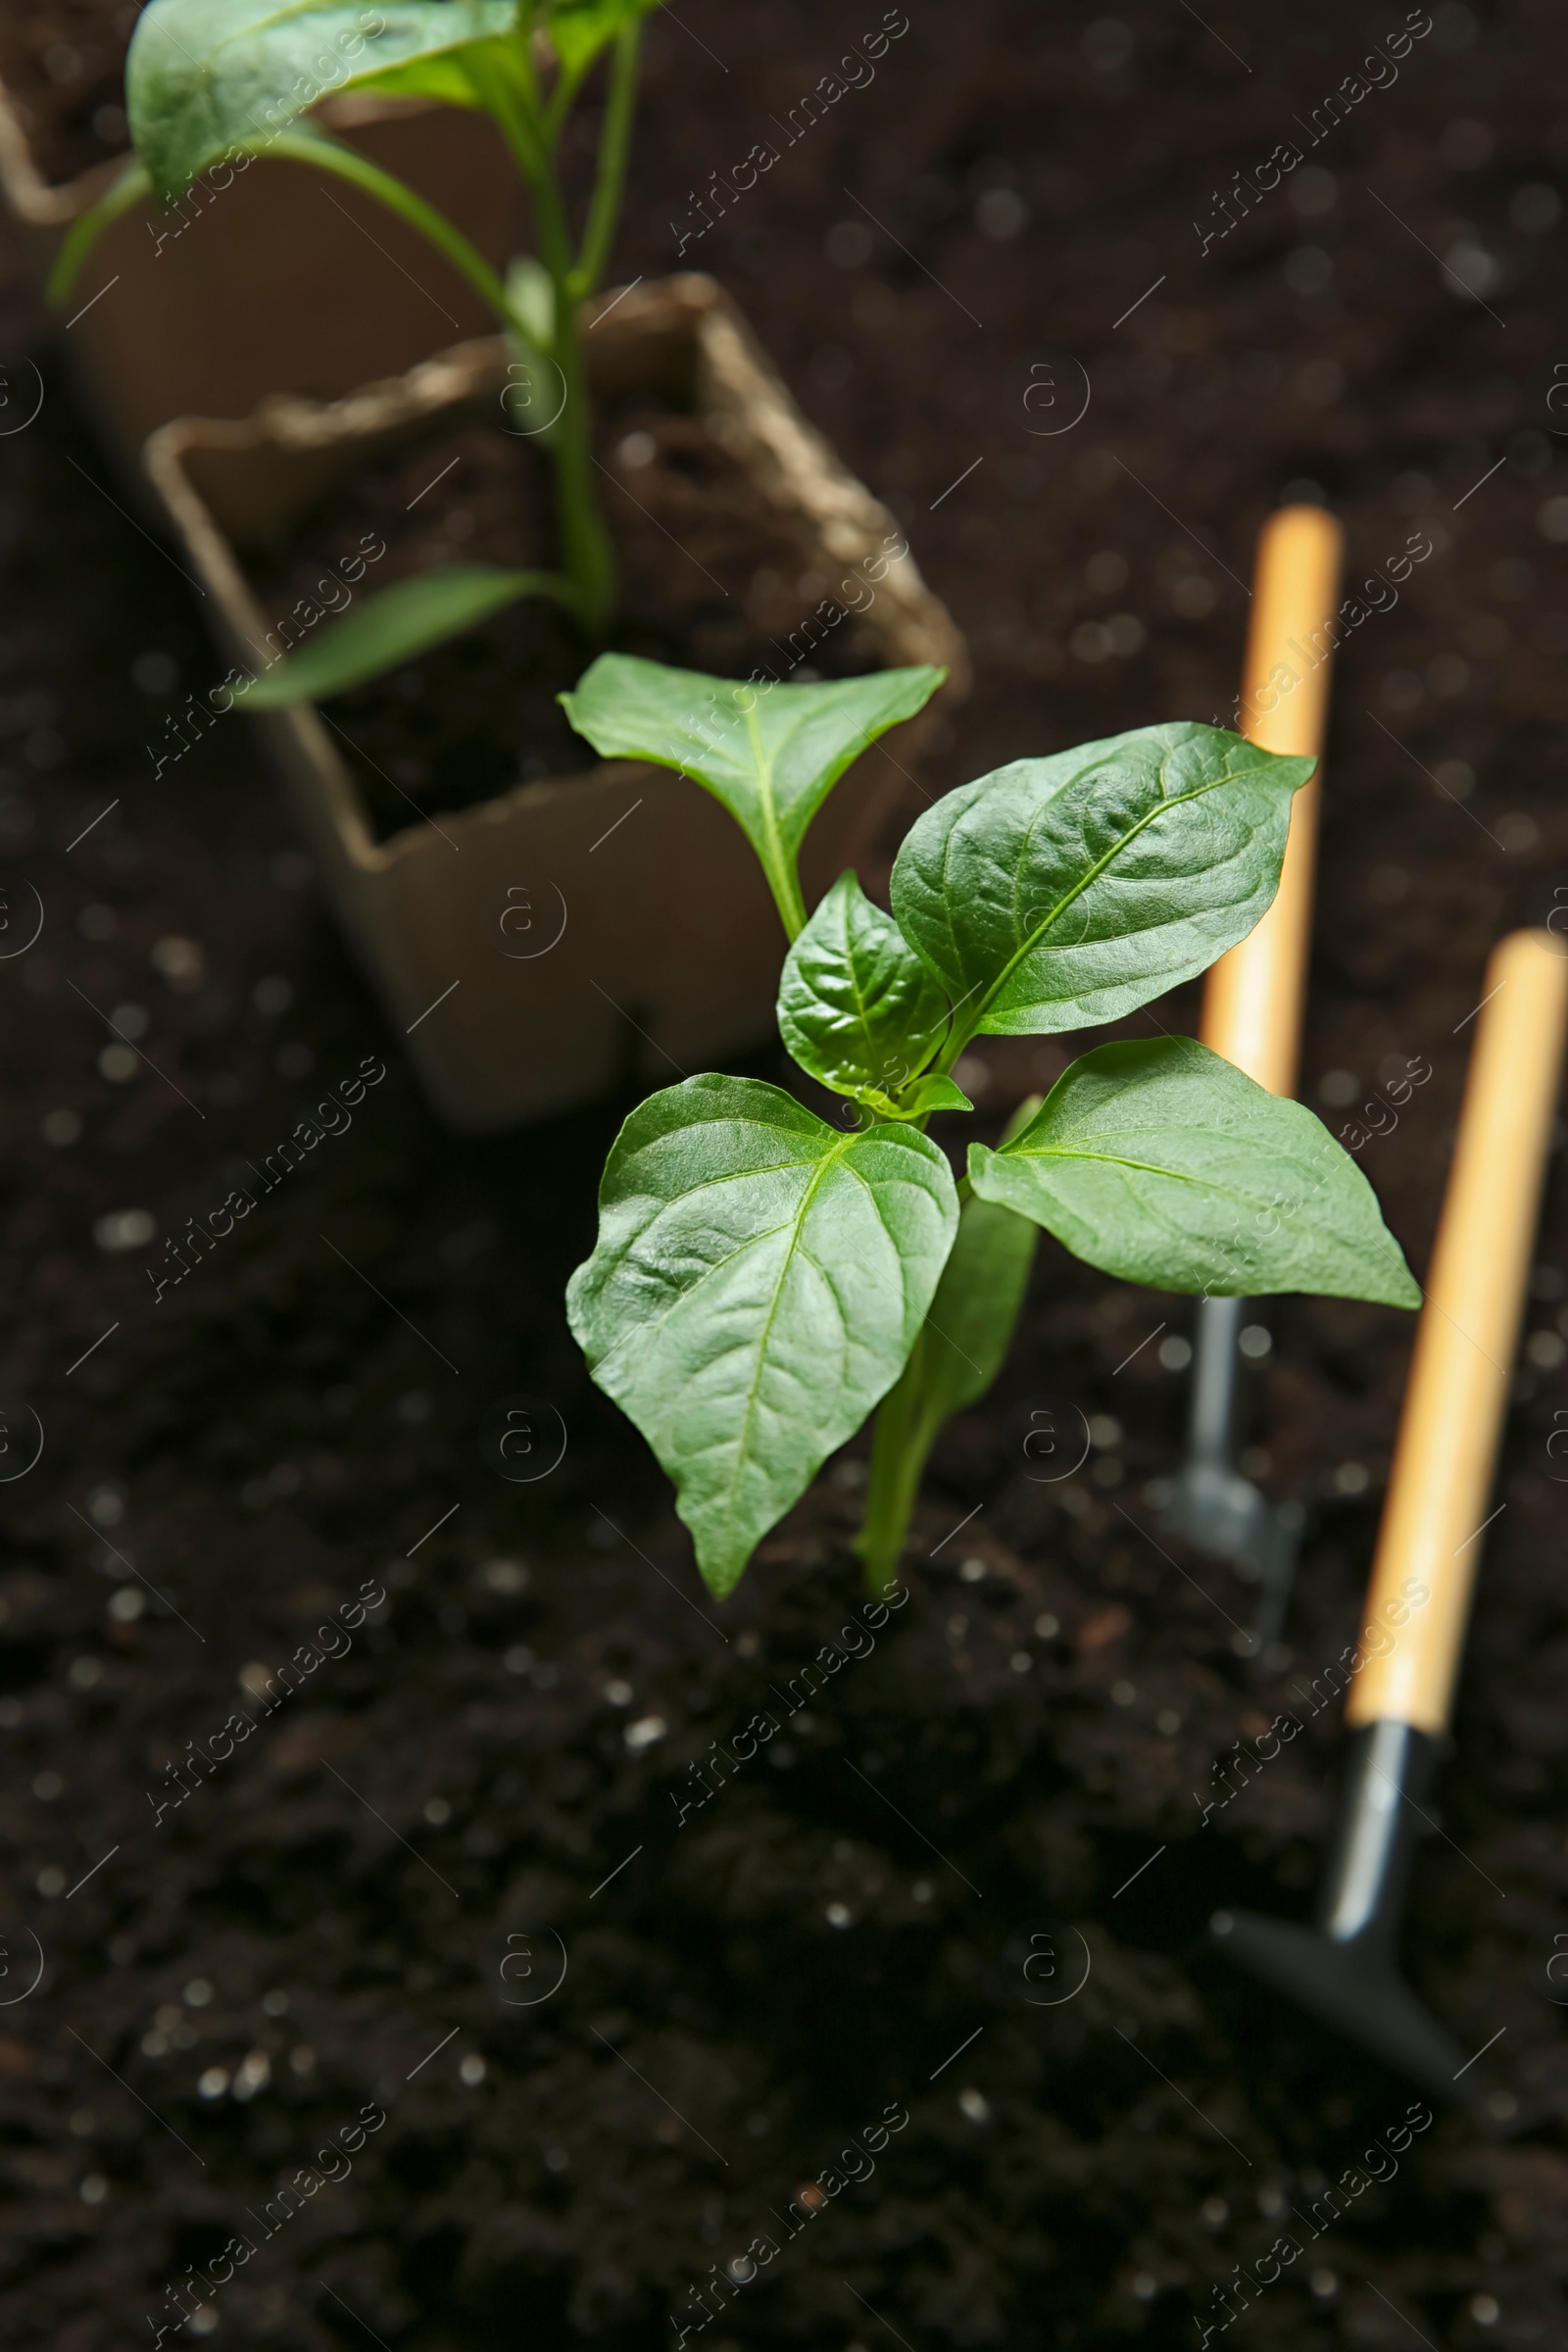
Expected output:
(283, 279)
(532, 946)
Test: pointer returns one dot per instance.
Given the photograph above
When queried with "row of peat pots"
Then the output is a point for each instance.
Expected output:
(268, 361)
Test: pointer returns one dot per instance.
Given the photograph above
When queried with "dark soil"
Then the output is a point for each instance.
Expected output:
(63, 67)
(504, 1750)
(710, 578)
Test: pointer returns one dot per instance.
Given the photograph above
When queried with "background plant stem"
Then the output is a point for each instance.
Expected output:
(323, 153)
(584, 541)
(586, 552)
(614, 147)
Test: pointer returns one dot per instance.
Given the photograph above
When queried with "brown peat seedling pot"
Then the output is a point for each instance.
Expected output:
(536, 946)
(284, 279)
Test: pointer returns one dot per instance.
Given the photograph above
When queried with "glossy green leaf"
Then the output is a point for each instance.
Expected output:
(758, 1283)
(856, 1007)
(770, 753)
(1060, 892)
(205, 77)
(390, 628)
(1163, 1163)
(579, 29)
(935, 1091)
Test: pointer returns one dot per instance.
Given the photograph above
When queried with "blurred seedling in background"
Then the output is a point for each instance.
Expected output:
(210, 85)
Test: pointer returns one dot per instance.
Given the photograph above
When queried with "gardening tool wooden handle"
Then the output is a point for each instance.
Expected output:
(1253, 1002)
(1440, 1484)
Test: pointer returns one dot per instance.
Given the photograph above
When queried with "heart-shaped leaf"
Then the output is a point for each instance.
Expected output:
(1163, 1163)
(390, 628)
(758, 1283)
(205, 77)
(770, 753)
(1059, 893)
(856, 1007)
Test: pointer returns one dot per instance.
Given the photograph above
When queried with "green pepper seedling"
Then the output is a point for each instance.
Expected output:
(763, 1278)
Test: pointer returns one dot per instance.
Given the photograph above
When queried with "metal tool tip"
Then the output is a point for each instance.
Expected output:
(1353, 1987)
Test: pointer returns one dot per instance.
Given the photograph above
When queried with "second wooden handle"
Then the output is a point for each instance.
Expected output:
(1430, 1543)
(1253, 998)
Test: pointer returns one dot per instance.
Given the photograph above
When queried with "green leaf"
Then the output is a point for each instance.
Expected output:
(934, 1092)
(856, 1007)
(579, 29)
(770, 753)
(1163, 1163)
(758, 1283)
(446, 79)
(1059, 893)
(205, 77)
(390, 628)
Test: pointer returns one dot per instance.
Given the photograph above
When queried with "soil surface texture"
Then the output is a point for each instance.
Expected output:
(427, 1981)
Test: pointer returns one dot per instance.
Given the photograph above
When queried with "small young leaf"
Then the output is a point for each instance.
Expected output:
(579, 29)
(390, 628)
(758, 1283)
(206, 77)
(450, 78)
(1059, 893)
(771, 754)
(933, 1092)
(1163, 1163)
(856, 1007)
